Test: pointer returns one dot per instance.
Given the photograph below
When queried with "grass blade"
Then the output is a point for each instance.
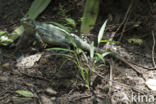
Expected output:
(60, 49)
(92, 50)
(101, 32)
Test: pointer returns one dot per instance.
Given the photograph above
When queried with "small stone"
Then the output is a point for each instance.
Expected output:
(51, 91)
(53, 98)
(45, 100)
(3, 79)
(6, 65)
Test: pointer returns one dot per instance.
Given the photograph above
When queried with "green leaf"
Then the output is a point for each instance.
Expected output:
(16, 33)
(87, 81)
(60, 49)
(136, 41)
(36, 8)
(106, 53)
(92, 50)
(101, 32)
(2, 33)
(25, 93)
(85, 56)
(63, 55)
(101, 56)
(81, 71)
(63, 63)
(68, 29)
(106, 41)
(70, 21)
(4, 38)
(89, 15)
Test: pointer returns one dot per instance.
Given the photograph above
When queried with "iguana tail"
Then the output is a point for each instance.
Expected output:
(84, 45)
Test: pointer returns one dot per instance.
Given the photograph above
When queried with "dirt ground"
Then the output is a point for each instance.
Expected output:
(117, 82)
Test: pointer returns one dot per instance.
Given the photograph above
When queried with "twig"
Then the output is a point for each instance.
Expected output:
(126, 15)
(127, 86)
(124, 23)
(153, 48)
(111, 72)
(134, 67)
(124, 27)
(107, 45)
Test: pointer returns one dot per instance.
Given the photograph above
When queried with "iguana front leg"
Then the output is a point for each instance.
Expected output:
(38, 37)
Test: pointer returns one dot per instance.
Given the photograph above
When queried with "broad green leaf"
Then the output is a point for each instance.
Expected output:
(16, 33)
(89, 15)
(25, 93)
(101, 32)
(36, 8)
(70, 21)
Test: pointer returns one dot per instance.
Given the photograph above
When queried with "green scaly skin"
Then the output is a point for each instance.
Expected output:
(53, 35)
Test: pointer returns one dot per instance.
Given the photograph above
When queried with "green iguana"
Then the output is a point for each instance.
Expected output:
(53, 35)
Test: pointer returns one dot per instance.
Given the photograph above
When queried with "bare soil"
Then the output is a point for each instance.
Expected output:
(37, 70)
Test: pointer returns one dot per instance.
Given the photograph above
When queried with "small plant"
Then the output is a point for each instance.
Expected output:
(71, 22)
(76, 57)
(62, 12)
(4, 38)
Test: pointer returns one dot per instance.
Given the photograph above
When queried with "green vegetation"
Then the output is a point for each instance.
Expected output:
(89, 16)
(135, 41)
(89, 65)
(25, 93)
(37, 7)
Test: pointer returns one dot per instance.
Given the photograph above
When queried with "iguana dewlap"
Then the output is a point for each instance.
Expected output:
(53, 35)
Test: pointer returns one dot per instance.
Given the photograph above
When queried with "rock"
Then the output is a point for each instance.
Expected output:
(50, 91)
(6, 65)
(45, 100)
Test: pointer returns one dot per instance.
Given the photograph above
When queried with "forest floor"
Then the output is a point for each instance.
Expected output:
(37, 70)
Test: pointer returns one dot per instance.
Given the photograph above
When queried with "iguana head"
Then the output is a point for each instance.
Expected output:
(28, 24)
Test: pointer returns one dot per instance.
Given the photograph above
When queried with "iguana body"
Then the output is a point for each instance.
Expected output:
(53, 35)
